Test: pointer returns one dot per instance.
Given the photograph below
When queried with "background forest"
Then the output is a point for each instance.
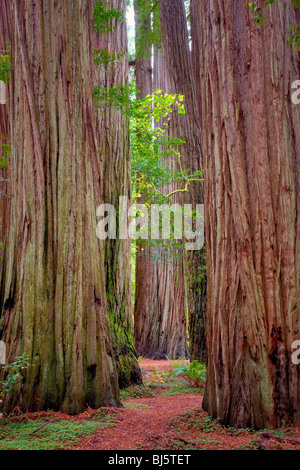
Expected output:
(165, 103)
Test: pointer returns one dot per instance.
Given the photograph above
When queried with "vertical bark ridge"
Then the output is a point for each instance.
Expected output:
(53, 296)
(251, 149)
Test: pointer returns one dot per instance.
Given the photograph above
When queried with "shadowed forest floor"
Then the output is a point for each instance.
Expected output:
(163, 414)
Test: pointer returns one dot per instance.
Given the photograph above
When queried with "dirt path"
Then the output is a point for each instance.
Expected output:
(143, 422)
(147, 426)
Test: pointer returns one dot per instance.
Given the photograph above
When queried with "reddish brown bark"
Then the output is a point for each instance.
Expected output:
(53, 296)
(178, 63)
(252, 199)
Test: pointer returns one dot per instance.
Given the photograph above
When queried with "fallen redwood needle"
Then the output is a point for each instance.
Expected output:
(44, 425)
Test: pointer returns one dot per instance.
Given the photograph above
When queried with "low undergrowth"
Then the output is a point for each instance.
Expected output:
(136, 406)
(205, 433)
(23, 434)
(163, 385)
(182, 390)
(137, 391)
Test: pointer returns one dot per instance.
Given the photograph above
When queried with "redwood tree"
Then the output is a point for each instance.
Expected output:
(114, 143)
(160, 307)
(53, 296)
(251, 146)
(5, 23)
(178, 66)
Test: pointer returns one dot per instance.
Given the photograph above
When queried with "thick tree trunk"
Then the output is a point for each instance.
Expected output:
(187, 127)
(160, 307)
(116, 161)
(252, 151)
(5, 23)
(53, 300)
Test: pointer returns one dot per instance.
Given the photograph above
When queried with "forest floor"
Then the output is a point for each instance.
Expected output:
(162, 414)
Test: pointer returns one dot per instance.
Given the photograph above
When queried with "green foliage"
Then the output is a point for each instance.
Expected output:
(150, 144)
(104, 59)
(295, 38)
(133, 273)
(136, 406)
(153, 150)
(159, 375)
(106, 17)
(195, 274)
(175, 364)
(5, 68)
(182, 390)
(257, 12)
(194, 373)
(137, 391)
(14, 374)
(5, 155)
(140, 360)
(57, 435)
(156, 160)
(197, 420)
(148, 28)
(270, 2)
(113, 98)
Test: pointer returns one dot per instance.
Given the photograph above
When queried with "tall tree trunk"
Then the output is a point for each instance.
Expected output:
(187, 127)
(252, 151)
(143, 62)
(53, 300)
(160, 310)
(116, 160)
(5, 26)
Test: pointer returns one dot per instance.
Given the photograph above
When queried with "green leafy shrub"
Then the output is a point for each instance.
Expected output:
(194, 373)
(14, 374)
(4, 68)
(175, 364)
(4, 154)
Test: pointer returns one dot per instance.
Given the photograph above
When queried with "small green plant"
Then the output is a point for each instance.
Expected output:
(257, 12)
(4, 157)
(112, 98)
(158, 375)
(104, 59)
(194, 373)
(14, 374)
(140, 360)
(5, 68)
(175, 364)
